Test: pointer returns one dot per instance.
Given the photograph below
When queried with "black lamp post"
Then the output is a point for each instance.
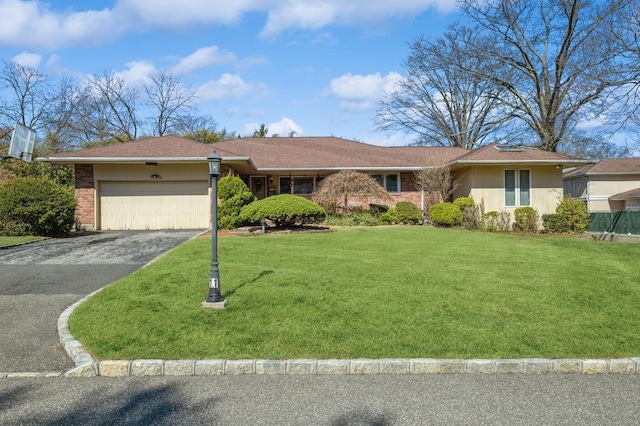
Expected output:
(215, 299)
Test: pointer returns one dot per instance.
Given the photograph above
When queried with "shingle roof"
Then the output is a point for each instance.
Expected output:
(609, 166)
(627, 195)
(303, 153)
(490, 154)
(331, 153)
(162, 147)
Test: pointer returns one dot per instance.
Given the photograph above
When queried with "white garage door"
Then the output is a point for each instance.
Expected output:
(154, 205)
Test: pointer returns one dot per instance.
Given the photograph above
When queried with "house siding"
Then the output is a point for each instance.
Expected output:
(603, 187)
(486, 183)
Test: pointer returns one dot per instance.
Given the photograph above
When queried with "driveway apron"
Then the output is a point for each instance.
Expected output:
(40, 280)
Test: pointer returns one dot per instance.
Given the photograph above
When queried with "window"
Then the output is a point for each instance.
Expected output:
(390, 182)
(525, 187)
(517, 186)
(298, 185)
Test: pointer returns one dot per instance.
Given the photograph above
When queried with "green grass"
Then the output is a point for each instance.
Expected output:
(10, 241)
(375, 292)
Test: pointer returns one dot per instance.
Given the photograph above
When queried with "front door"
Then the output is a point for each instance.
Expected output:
(259, 186)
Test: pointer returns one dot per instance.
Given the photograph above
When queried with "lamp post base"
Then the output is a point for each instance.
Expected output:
(214, 305)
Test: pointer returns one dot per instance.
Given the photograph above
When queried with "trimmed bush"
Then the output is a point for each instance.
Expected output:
(555, 222)
(526, 219)
(464, 202)
(230, 209)
(285, 210)
(36, 206)
(445, 214)
(390, 218)
(230, 186)
(575, 213)
(408, 213)
(234, 194)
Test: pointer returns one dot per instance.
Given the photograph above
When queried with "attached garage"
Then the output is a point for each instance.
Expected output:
(135, 205)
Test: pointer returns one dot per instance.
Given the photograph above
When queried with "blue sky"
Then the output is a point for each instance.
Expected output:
(314, 67)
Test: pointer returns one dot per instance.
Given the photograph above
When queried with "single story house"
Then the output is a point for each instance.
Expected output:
(163, 183)
(613, 184)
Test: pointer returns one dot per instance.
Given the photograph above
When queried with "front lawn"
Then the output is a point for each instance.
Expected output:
(11, 241)
(401, 292)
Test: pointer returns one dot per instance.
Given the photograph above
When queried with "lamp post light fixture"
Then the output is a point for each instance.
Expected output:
(215, 299)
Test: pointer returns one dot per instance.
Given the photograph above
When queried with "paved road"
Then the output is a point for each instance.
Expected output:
(324, 400)
(39, 280)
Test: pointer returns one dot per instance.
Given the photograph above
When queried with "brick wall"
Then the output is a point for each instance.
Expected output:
(85, 196)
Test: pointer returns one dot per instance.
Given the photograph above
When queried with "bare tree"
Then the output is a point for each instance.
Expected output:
(439, 100)
(591, 147)
(437, 181)
(562, 56)
(334, 191)
(169, 100)
(31, 94)
(111, 109)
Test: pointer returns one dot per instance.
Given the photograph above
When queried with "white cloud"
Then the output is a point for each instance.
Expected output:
(312, 15)
(137, 72)
(202, 58)
(27, 59)
(181, 13)
(357, 92)
(228, 86)
(34, 23)
(280, 128)
(284, 127)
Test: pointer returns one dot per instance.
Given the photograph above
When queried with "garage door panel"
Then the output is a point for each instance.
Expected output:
(154, 205)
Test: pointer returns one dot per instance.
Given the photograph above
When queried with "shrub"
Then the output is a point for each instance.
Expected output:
(36, 206)
(554, 222)
(390, 218)
(464, 202)
(230, 186)
(526, 219)
(472, 217)
(378, 209)
(490, 221)
(445, 214)
(408, 213)
(360, 219)
(285, 210)
(504, 219)
(575, 213)
(230, 209)
(234, 194)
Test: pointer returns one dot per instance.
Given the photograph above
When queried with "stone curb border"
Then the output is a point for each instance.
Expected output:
(86, 366)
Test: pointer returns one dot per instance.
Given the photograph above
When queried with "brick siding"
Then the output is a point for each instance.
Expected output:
(85, 196)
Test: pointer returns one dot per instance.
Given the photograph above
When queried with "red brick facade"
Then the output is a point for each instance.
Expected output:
(85, 195)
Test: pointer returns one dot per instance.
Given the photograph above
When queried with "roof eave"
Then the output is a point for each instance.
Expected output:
(534, 162)
(335, 169)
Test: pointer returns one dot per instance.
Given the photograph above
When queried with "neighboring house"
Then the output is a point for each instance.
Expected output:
(611, 185)
(163, 183)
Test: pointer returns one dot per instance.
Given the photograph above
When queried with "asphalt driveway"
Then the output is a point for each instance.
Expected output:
(40, 280)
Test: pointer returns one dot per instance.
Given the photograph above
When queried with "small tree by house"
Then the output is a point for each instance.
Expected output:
(334, 192)
(437, 181)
